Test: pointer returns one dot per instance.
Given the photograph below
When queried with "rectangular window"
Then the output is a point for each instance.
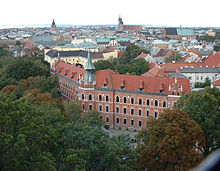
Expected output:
(125, 121)
(106, 108)
(132, 122)
(107, 119)
(100, 108)
(140, 112)
(125, 110)
(90, 107)
(140, 123)
(117, 109)
(132, 111)
(117, 120)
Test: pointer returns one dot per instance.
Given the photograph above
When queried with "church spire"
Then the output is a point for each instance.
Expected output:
(53, 23)
(90, 71)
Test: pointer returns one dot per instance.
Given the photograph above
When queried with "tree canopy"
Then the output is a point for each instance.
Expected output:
(204, 107)
(175, 56)
(170, 142)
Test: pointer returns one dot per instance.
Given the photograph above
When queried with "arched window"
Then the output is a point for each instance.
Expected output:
(148, 102)
(100, 97)
(107, 119)
(106, 98)
(140, 101)
(132, 100)
(90, 97)
(155, 114)
(156, 103)
(117, 98)
(164, 104)
(125, 100)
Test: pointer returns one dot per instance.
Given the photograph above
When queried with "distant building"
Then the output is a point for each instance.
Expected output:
(179, 33)
(124, 101)
(53, 27)
(128, 28)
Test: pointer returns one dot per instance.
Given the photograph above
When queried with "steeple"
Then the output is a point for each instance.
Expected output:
(90, 71)
(120, 20)
(53, 23)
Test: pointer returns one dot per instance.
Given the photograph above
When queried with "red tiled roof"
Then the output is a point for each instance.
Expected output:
(216, 83)
(116, 80)
(70, 71)
(212, 60)
(142, 55)
(132, 82)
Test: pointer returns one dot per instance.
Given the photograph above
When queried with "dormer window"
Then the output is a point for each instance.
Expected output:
(122, 85)
(160, 91)
(141, 86)
(105, 83)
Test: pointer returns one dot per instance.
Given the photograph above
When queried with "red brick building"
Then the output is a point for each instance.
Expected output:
(128, 28)
(124, 100)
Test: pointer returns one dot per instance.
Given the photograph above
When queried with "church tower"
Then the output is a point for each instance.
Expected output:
(90, 77)
(53, 27)
(120, 24)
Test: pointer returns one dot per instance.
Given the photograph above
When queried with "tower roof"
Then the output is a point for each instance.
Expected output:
(89, 65)
(53, 23)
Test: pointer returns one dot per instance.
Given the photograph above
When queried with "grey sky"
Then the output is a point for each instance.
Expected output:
(91, 12)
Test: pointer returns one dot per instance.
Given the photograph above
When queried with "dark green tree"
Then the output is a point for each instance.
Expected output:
(140, 66)
(103, 64)
(130, 53)
(207, 83)
(4, 52)
(204, 107)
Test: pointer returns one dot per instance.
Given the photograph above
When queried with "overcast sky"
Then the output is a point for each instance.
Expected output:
(92, 12)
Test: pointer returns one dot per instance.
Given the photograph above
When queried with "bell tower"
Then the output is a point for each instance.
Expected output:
(120, 24)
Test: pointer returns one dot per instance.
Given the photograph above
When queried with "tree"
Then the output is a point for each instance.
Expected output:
(103, 64)
(175, 56)
(28, 135)
(9, 89)
(140, 66)
(124, 68)
(4, 52)
(170, 142)
(204, 107)
(18, 43)
(216, 47)
(130, 53)
(203, 85)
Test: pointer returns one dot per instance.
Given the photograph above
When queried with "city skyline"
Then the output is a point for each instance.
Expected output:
(157, 13)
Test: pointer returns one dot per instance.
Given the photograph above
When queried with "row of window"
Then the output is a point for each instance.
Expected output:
(132, 122)
(140, 101)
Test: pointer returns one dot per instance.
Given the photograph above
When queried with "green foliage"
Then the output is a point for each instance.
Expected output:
(18, 42)
(4, 52)
(103, 64)
(207, 83)
(170, 142)
(175, 56)
(204, 107)
(216, 47)
(130, 53)
(28, 134)
(140, 66)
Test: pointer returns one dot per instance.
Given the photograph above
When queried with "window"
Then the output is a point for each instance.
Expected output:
(132, 122)
(140, 112)
(190, 78)
(125, 110)
(156, 103)
(90, 106)
(139, 123)
(148, 102)
(83, 97)
(106, 108)
(106, 98)
(117, 120)
(100, 97)
(83, 106)
(197, 77)
(117, 109)
(201, 77)
(125, 100)
(90, 97)
(164, 104)
(132, 100)
(100, 108)
(132, 111)
(125, 121)
(155, 114)
(107, 119)
(140, 101)
(148, 113)
(117, 98)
